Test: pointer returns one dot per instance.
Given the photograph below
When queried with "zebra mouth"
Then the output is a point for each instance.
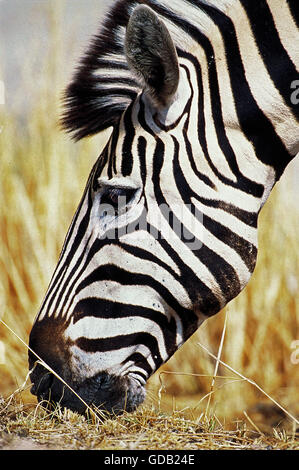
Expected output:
(105, 392)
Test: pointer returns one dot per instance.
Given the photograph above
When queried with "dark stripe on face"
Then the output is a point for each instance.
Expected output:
(142, 121)
(188, 145)
(102, 308)
(142, 158)
(220, 269)
(149, 256)
(127, 157)
(140, 361)
(110, 272)
(249, 218)
(120, 342)
(201, 295)
(242, 183)
(246, 250)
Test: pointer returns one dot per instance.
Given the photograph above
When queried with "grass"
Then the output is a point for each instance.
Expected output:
(194, 401)
(31, 427)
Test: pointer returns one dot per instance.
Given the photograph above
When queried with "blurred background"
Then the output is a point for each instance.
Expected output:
(42, 177)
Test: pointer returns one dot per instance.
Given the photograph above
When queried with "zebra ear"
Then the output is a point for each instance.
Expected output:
(151, 54)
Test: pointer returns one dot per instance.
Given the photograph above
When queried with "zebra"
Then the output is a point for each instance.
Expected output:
(201, 99)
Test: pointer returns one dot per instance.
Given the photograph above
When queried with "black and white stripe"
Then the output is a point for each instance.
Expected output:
(130, 289)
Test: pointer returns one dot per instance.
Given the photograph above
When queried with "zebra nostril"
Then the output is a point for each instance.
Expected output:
(41, 383)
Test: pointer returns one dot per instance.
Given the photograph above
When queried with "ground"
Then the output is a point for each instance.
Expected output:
(25, 426)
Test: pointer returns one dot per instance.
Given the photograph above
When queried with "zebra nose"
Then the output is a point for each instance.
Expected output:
(106, 392)
(41, 382)
(51, 389)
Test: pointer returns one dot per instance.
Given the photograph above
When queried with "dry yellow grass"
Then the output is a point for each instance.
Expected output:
(24, 426)
(42, 176)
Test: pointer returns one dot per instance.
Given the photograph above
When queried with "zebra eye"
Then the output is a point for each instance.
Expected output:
(118, 198)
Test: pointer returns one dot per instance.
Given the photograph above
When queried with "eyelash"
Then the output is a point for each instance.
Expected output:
(111, 196)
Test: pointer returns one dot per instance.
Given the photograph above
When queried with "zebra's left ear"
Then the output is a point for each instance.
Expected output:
(151, 54)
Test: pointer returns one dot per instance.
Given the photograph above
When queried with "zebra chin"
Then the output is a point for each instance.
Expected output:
(106, 392)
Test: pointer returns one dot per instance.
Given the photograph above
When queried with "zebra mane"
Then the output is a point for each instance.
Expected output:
(102, 86)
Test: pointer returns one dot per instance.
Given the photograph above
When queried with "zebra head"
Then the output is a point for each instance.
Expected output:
(166, 231)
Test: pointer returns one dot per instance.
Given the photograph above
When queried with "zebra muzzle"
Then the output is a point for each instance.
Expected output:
(104, 391)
